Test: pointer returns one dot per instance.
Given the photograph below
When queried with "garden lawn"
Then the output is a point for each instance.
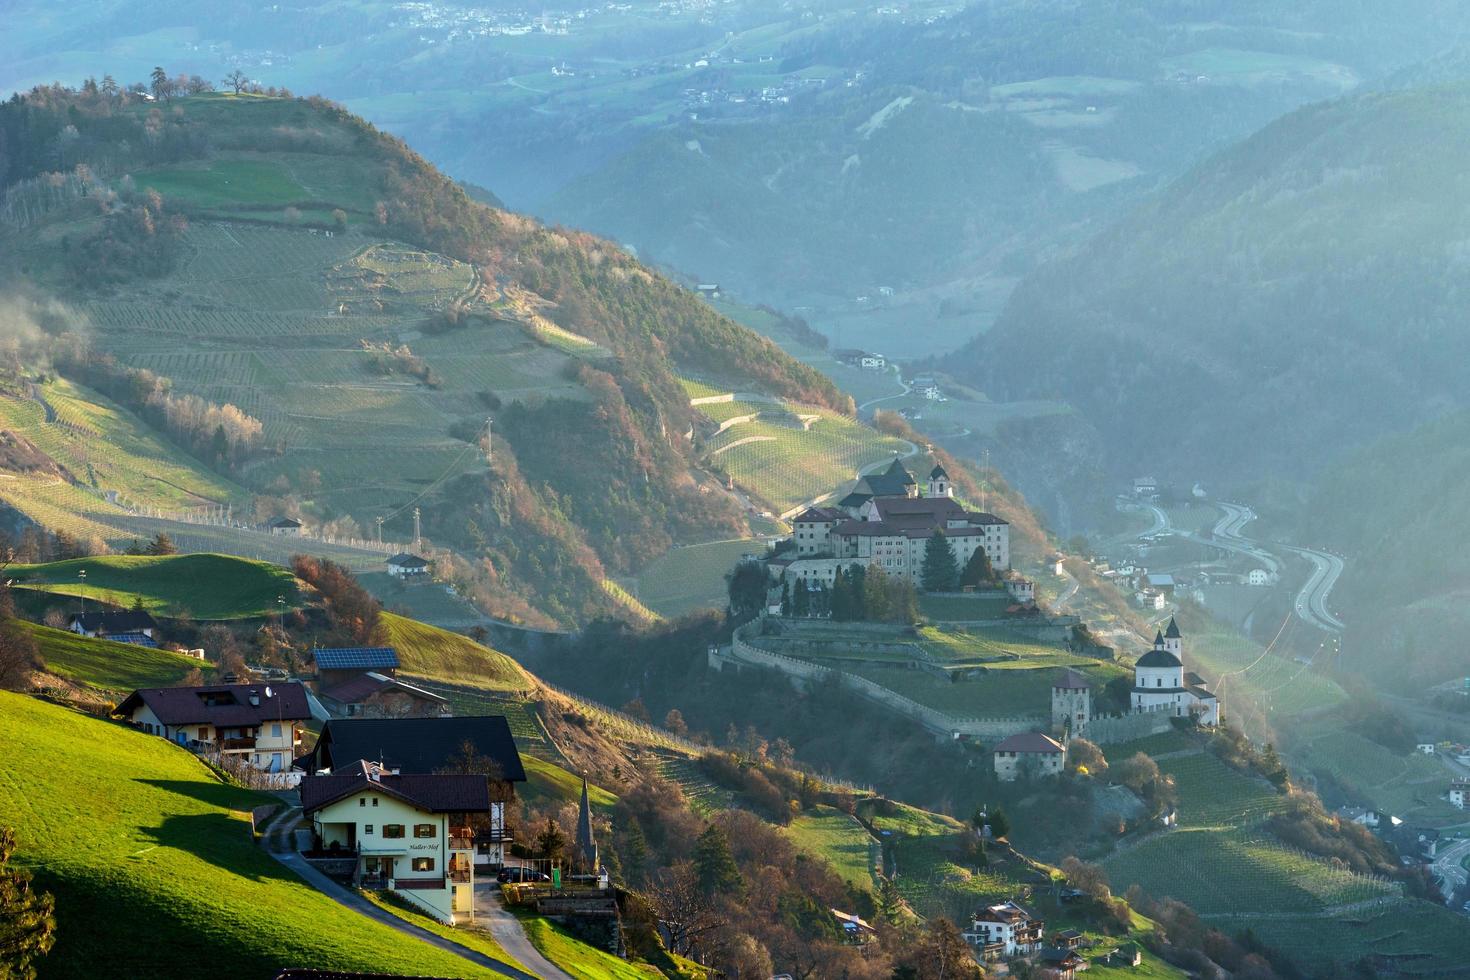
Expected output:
(201, 586)
(108, 666)
(692, 577)
(153, 867)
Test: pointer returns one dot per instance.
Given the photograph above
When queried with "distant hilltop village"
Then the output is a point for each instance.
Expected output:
(886, 523)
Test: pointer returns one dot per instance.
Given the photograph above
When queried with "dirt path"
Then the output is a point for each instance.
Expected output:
(491, 916)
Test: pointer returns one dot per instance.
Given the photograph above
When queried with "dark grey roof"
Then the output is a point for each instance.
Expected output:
(405, 560)
(220, 704)
(355, 658)
(1158, 657)
(416, 745)
(1172, 632)
(458, 793)
(284, 522)
(126, 621)
(937, 473)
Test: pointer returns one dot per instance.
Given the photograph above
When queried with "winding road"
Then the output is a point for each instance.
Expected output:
(1449, 866)
(1311, 599)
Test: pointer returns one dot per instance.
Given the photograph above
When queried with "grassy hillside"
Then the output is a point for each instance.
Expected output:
(329, 283)
(108, 666)
(437, 653)
(111, 819)
(201, 586)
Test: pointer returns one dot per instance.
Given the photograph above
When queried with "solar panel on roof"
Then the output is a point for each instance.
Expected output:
(348, 658)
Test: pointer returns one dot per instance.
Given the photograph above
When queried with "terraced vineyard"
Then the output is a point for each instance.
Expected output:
(700, 790)
(1211, 794)
(1412, 938)
(788, 453)
(1220, 872)
(1398, 784)
(786, 465)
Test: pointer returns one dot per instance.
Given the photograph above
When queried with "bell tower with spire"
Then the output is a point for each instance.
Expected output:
(1173, 639)
(939, 484)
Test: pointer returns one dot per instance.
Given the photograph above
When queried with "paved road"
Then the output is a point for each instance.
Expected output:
(280, 845)
(491, 915)
(897, 376)
(1311, 599)
(1449, 866)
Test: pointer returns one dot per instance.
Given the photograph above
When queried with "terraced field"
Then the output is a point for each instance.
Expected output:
(1007, 692)
(786, 465)
(1413, 938)
(1220, 872)
(1398, 784)
(1211, 794)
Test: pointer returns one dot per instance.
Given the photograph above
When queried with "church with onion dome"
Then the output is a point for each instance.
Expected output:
(1160, 682)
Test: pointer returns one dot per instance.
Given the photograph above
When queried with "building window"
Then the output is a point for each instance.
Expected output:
(393, 831)
(423, 864)
(367, 829)
(362, 801)
(275, 731)
(424, 830)
(375, 801)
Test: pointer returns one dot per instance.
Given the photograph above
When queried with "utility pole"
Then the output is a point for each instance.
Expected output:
(417, 532)
(379, 521)
(489, 445)
(984, 479)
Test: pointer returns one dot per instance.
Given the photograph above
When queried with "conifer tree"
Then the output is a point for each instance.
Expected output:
(939, 573)
(978, 569)
(713, 860)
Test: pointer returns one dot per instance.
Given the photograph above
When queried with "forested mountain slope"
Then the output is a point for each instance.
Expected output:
(1295, 295)
(354, 318)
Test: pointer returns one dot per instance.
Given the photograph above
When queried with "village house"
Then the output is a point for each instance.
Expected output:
(1028, 754)
(256, 724)
(112, 625)
(1063, 964)
(409, 833)
(1127, 954)
(375, 695)
(338, 665)
(1460, 794)
(418, 745)
(1159, 682)
(886, 523)
(285, 526)
(405, 565)
(1008, 926)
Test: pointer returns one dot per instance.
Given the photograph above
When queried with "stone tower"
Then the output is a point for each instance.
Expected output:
(1071, 705)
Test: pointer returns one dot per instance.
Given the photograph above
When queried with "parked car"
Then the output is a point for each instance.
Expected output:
(521, 875)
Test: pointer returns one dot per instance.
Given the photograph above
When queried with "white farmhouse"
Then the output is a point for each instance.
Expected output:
(257, 724)
(410, 834)
(1008, 926)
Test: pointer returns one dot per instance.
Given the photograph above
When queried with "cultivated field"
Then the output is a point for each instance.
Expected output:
(108, 666)
(840, 839)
